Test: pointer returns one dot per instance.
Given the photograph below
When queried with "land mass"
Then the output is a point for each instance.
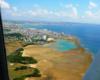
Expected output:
(52, 64)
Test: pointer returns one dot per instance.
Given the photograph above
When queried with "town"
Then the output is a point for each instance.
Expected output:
(31, 35)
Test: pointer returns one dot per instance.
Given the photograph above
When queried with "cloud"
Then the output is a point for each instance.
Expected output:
(15, 14)
(11, 10)
(64, 12)
(72, 9)
(91, 17)
(39, 12)
(92, 5)
(4, 4)
(45, 13)
(90, 14)
(19, 13)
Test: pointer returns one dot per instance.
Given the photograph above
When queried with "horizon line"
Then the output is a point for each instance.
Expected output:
(42, 21)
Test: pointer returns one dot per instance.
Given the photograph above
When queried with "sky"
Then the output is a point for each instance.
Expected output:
(84, 11)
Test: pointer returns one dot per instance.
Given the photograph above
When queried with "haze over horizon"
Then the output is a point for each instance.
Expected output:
(86, 11)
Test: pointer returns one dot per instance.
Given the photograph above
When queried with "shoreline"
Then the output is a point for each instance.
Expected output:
(58, 64)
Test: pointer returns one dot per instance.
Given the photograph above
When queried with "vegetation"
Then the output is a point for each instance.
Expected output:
(20, 78)
(16, 57)
(35, 73)
(16, 35)
(6, 30)
(19, 49)
(21, 68)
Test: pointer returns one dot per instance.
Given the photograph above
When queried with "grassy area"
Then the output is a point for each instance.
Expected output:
(12, 46)
(16, 57)
(21, 74)
(14, 74)
(69, 65)
(19, 70)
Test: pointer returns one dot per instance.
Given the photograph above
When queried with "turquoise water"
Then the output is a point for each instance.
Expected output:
(63, 45)
(88, 34)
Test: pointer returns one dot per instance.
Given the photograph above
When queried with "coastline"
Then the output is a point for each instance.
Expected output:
(51, 62)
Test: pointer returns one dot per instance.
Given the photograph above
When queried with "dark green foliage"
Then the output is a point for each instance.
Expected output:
(21, 68)
(28, 60)
(14, 35)
(20, 78)
(6, 30)
(19, 49)
(35, 73)
(16, 57)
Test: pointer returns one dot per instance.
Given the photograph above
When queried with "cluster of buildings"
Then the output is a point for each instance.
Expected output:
(32, 35)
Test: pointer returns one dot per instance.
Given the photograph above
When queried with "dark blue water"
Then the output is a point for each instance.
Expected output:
(88, 34)
(94, 71)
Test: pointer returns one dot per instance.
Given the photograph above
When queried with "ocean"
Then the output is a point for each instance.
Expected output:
(88, 34)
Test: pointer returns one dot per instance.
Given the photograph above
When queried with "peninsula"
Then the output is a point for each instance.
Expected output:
(40, 54)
